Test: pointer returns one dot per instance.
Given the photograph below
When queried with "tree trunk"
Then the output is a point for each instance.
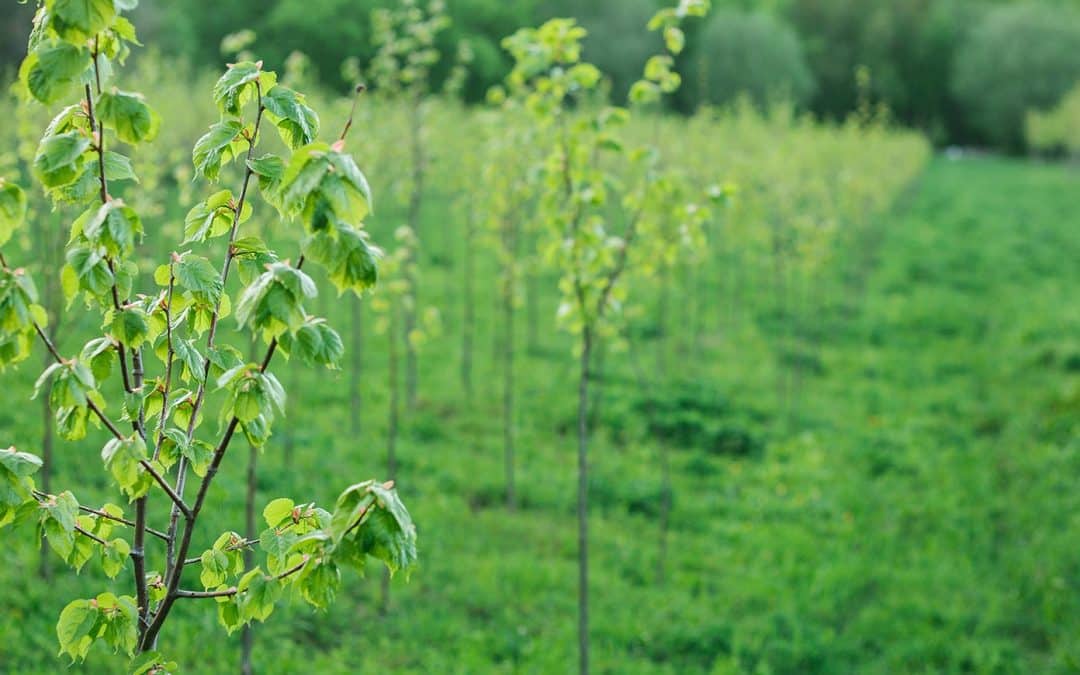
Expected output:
(247, 641)
(508, 388)
(391, 431)
(356, 365)
(532, 313)
(289, 435)
(665, 508)
(44, 568)
(416, 201)
(468, 322)
(583, 503)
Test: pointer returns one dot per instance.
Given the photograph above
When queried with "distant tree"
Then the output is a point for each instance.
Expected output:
(1017, 59)
(739, 53)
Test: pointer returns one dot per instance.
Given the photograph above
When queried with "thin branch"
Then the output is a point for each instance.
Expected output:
(164, 485)
(106, 516)
(91, 536)
(60, 359)
(242, 545)
(171, 569)
(169, 360)
(352, 113)
(229, 592)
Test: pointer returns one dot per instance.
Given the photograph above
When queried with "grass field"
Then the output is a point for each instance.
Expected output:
(908, 506)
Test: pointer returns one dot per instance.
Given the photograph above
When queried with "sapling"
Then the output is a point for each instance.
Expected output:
(391, 304)
(592, 232)
(405, 55)
(506, 174)
(154, 417)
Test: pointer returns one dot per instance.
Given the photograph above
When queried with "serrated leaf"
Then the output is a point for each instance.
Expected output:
(80, 20)
(60, 158)
(12, 209)
(349, 258)
(52, 69)
(218, 146)
(296, 122)
(276, 512)
(77, 628)
(128, 114)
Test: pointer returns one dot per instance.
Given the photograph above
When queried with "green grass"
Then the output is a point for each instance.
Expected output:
(915, 512)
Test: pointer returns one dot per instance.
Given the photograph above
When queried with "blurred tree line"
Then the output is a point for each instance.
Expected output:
(965, 71)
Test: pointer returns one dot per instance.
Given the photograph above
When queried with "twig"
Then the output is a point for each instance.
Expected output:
(231, 591)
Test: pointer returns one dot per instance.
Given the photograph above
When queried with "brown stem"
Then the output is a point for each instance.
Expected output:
(229, 592)
(200, 396)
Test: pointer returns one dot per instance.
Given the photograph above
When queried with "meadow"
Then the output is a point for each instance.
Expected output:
(832, 429)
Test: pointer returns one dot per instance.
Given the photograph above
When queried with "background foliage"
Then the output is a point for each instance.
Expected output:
(866, 382)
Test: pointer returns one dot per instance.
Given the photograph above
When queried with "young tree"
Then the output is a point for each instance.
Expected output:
(592, 232)
(406, 53)
(77, 47)
(392, 304)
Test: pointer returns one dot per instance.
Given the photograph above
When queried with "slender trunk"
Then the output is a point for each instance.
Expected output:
(247, 639)
(662, 310)
(508, 387)
(469, 319)
(665, 508)
(391, 432)
(532, 312)
(416, 201)
(598, 380)
(44, 568)
(289, 435)
(780, 294)
(583, 503)
(356, 365)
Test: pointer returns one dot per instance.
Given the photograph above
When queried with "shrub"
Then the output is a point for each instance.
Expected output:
(1058, 130)
(1017, 59)
(753, 54)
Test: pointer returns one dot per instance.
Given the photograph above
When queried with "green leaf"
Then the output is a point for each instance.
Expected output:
(198, 275)
(118, 167)
(199, 453)
(387, 532)
(130, 327)
(269, 169)
(314, 342)
(121, 626)
(273, 303)
(129, 116)
(233, 88)
(215, 568)
(296, 122)
(220, 145)
(89, 270)
(674, 39)
(98, 353)
(275, 513)
(152, 663)
(211, 218)
(52, 69)
(60, 158)
(12, 209)
(20, 464)
(318, 583)
(351, 506)
(349, 258)
(257, 595)
(122, 458)
(113, 225)
(77, 628)
(114, 557)
(80, 20)
(228, 613)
